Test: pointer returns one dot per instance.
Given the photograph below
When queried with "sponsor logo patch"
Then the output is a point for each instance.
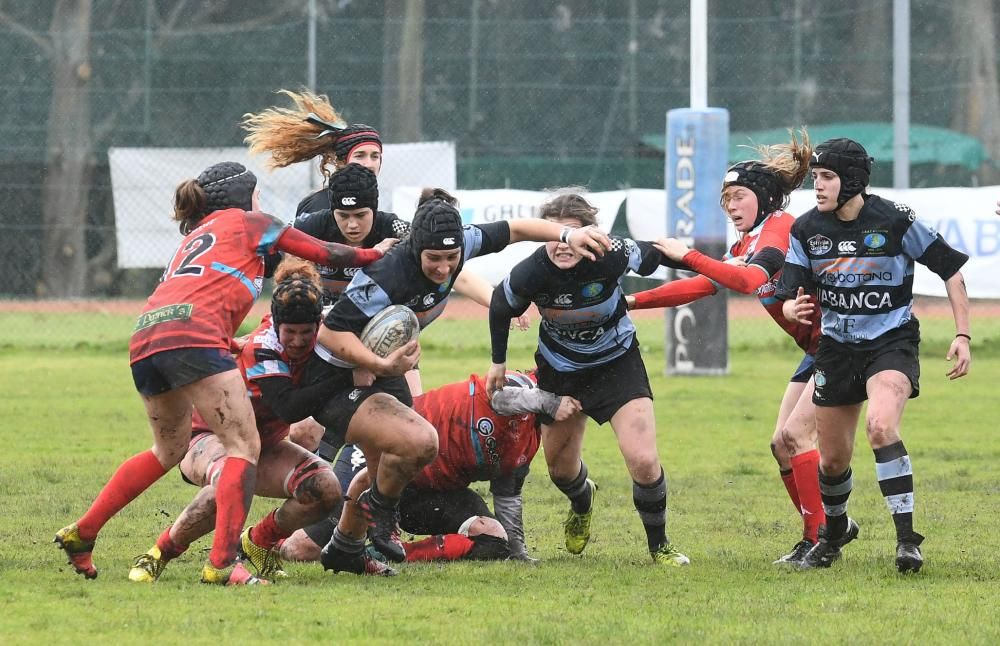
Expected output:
(592, 290)
(875, 240)
(847, 246)
(179, 312)
(819, 244)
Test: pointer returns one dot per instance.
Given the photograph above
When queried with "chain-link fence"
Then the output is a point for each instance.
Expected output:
(532, 94)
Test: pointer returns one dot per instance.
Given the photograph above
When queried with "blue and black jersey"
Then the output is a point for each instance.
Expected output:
(321, 224)
(397, 279)
(861, 271)
(585, 321)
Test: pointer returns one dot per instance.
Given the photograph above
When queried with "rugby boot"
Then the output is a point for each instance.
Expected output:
(667, 554)
(79, 552)
(908, 556)
(577, 526)
(235, 574)
(360, 563)
(265, 562)
(148, 567)
(826, 551)
(383, 527)
(797, 554)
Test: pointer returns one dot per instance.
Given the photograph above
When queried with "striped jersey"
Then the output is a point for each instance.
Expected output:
(861, 271)
(209, 285)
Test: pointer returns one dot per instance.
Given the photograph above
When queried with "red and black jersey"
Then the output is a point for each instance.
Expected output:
(209, 285)
(774, 234)
(475, 443)
(263, 357)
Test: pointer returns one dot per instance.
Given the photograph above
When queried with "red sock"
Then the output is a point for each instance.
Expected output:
(788, 477)
(168, 548)
(805, 467)
(440, 547)
(134, 476)
(267, 533)
(233, 494)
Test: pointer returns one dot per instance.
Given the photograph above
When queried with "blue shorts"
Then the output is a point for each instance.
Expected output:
(170, 369)
(805, 370)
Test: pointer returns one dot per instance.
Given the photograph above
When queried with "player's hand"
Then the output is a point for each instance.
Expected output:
(629, 301)
(960, 351)
(386, 245)
(238, 343)
(998, 207)
(672, 248)
(737, 261)
(568, 407)
(524, 557)
(363, 377)
(400, 361)
(495, 377)
(802, 308)
(589, 242)
(522, 323)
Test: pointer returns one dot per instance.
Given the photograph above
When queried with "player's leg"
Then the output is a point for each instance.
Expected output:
(563, 447)
(223, 403)
(345, 550)
(459, 523)
(310, 490)
(635, 427)
(201, 467)
(797, 439)
(894, 378)
(169, 413)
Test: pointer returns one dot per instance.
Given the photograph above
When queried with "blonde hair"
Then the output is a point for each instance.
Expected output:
(288, 137)
(789, 161)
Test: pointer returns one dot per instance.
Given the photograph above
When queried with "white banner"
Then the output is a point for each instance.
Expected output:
(143, 181)
(964, 216)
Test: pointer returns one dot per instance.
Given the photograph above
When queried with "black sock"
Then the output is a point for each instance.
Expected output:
(895, 479)
(835, 490)
(651, 503)
(577, 491)
(381, 500)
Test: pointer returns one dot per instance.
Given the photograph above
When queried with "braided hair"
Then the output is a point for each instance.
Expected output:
(298, 296)
(313, 128)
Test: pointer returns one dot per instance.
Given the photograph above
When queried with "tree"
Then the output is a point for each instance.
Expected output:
(979, 113)
(74, 139)
(403, 69)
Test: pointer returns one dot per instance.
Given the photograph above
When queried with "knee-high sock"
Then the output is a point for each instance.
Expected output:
(267, 532)
(788, 479)
(835, 490)
(895, 479)
(134, 476)
(577, 491)
(651, 503)
(234, 492)
(169, 549)
(805, 469)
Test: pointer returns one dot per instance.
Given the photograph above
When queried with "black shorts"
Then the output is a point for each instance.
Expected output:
(804, 371)
(349, 462)
(842, 372)
(425, 511)
(603, 389)
(170, 369)
(335, 415)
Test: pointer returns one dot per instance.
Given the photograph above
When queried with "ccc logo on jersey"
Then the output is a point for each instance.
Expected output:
(847, 246)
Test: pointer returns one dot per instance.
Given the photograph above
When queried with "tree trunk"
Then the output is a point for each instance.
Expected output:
(68, 154)
(403, 71)
(978, 114)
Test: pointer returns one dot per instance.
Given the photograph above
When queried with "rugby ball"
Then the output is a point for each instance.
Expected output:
(390, 329)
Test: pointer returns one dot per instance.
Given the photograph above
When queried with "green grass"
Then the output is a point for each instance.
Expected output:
(70, 416)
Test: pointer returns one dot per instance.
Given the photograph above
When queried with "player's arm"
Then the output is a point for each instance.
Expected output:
(511, 299)
(344, 322)
(672, 293)
(797, 285)
(959, 350)
(590, 242)
(331, 254)
(508, 506)
(510, 401)
(290, 402)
